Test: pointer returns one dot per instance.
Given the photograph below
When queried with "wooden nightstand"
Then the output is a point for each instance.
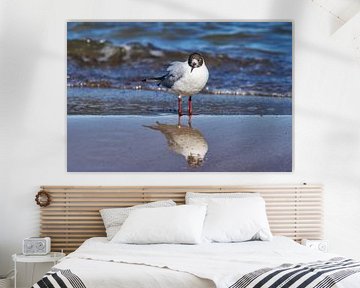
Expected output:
(53, 257)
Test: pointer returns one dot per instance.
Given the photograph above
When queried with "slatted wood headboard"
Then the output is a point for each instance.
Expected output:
(73, 215)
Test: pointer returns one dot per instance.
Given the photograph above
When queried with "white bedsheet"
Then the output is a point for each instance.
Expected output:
(102, 264)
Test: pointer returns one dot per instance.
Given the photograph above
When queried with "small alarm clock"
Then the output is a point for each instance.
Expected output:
(320, 245)
(36, 246)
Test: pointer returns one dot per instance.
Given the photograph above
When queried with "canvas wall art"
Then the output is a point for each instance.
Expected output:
(179, 96)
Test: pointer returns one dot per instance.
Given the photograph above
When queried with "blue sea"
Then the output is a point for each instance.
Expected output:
(244, 58)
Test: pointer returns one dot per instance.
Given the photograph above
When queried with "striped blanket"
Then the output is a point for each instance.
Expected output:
(57, 278)
(320, 274)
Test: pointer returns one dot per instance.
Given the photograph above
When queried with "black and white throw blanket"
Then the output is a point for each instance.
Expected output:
(59, 278)
(320, 274)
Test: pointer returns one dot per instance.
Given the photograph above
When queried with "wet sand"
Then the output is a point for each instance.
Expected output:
(97, 101)
(232, 143)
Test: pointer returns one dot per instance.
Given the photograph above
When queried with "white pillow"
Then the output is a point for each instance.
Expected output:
(236, 220)
(180, 224)
(113, 218)
(204, 198)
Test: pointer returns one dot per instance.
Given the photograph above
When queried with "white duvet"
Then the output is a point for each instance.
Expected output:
(100, 263)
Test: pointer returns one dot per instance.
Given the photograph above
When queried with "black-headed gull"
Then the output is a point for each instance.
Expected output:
(185, 78)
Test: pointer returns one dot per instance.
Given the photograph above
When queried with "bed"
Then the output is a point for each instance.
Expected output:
(99, 263)
(294, 211)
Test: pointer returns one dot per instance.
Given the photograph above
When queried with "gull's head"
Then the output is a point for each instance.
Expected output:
(195, 61)
(195, 160)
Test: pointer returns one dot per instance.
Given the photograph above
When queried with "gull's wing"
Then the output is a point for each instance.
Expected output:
(176, 70)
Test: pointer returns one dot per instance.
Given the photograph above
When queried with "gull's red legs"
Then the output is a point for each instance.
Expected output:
(180, 106)
(190, 106)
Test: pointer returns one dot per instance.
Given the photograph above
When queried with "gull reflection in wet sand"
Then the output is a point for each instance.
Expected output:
(184, 140)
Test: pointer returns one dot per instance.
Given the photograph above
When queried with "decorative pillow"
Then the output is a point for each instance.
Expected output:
(236, 220)
(113, 218)
(203, 198)
(172, 225)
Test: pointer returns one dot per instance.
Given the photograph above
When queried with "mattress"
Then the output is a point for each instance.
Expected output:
(99, 263)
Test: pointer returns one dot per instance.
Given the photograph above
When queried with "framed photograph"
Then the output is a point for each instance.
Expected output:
(179, 96)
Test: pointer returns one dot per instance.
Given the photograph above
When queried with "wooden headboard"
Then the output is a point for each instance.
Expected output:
(73, 214)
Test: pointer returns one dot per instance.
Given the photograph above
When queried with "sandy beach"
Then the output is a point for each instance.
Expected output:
(97, 101)
(238, 143)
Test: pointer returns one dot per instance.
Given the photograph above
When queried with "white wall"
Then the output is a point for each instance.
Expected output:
(33, 108)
